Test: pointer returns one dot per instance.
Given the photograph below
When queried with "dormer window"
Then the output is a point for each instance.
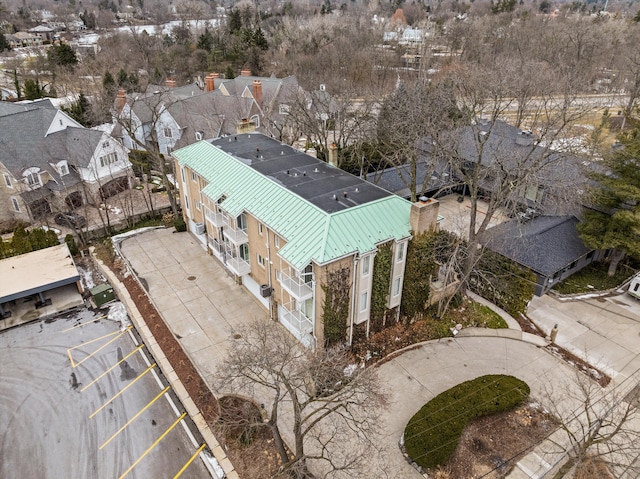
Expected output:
(283, 109)
(32, 177)
(62, 168)
(168, 133)
(199, 135)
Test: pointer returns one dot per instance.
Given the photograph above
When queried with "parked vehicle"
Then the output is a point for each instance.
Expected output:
(70, 220)
(634, 287)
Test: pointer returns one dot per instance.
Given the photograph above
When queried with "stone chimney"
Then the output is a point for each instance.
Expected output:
(170, 83)
(257, 92)
(121, 99)
(424, 215)
(245, 73)
(209, 82)
(333, 154)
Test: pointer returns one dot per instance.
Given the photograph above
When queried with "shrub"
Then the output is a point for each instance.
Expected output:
(71, 243)
(179, 224)
(432, 434)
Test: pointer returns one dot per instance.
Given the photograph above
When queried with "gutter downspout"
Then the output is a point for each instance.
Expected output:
(353, 298)
(269, 276)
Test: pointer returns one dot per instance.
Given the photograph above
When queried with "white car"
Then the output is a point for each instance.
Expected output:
(634, 287)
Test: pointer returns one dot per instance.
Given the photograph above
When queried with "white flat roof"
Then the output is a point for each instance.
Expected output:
(35, 272)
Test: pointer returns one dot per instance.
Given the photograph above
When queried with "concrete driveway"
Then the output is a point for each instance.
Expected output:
(198, 300)
(603, 331)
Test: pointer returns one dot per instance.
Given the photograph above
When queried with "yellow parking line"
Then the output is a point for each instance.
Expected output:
(189, 461)
(97, 339)
(150, 448)
(134, 417)
(122, 390)
(73, 365)
(113, 367)
(101, 347)
(84, 324)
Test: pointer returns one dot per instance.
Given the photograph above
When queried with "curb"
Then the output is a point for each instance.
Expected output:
(166, 368)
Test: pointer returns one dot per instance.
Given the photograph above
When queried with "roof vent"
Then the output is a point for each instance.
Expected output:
(316, 170)
(295, 174)
(235, 138)
(335, 197)
(258, 149)
(344, 194)
(282, 152)
(304, 173)
(287, 172)
(357, 190)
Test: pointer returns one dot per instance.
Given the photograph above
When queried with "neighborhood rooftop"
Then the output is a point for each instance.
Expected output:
(330, 189)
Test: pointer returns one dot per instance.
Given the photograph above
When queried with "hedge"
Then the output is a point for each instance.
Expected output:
(432, 434)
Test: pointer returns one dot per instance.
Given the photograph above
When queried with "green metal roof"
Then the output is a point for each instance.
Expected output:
(311, 233)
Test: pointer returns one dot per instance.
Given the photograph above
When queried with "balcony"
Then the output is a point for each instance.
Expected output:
(232, 233)
(213, 217)
(297, 324)
(237, 265)
(293, 284)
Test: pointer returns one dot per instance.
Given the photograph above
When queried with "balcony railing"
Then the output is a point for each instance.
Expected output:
(234, 234)
(237, 265)
(215, 218)
(296, 322)
(296, 286)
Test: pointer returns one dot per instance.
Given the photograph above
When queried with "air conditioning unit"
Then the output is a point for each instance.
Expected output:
(265, 290)
(199, 229)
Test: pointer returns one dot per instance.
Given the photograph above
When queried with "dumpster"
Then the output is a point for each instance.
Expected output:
(102, 294)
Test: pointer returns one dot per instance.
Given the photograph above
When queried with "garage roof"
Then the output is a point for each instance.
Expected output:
(36, 272)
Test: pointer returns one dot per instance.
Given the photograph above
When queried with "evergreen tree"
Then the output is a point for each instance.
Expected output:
(80, 110)
(108, 84)
(205, 41)
(16, 83)
(4, 44)
(32, 89)
(614, 223)
(259, 39)
(235, 21)
(62, 55)
(229, 73)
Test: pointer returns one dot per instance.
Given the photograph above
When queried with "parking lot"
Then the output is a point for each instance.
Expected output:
(80, 398)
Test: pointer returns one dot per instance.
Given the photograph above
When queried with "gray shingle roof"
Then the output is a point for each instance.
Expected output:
(546, 244)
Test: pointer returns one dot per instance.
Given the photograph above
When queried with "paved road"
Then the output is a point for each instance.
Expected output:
(48, 395)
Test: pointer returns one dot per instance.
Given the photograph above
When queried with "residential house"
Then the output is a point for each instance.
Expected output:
(23, 39)
(45, 33)
(549, 246)
(49, 162)
(281, 222)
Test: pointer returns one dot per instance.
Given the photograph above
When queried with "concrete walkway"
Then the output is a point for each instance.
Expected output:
(201, 304)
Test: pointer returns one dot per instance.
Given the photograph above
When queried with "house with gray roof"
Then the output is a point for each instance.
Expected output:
(290, 227)
(550, 246)
(50, 163)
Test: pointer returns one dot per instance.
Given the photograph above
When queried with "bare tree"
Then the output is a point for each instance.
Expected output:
(595, 424)
(316, 399)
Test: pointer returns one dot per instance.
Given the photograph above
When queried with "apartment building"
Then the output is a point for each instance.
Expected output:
(281, 222)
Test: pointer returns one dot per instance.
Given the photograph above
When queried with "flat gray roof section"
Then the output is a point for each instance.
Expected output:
(36, 272)
(308, 177)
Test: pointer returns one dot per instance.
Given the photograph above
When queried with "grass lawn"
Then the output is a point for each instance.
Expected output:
(594, 278)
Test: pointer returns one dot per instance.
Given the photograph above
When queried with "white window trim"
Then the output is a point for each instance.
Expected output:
(167, 132)
(197, 205)
(261, 260)
(397, 286)
(276, 241)
(364, 301)
(366, 260)
(16, 203)
(7, 180)
(400, 253)
(260, 228)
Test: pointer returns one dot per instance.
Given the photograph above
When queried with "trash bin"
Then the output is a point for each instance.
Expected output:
(102, 294)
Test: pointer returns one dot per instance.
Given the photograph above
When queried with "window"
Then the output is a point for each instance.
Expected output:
(396, 286)
(199, 135)
(306, 307)
(366, 265)
(33, 179)
(186, 201)
(260, 228)
(400, 255)
(276, 241)
(184, 177)
(241, 222)
(364, 297)
(105, 144)
(198, 205)
(63, 170)
(7, 181)
(106, 160)
(261, 260)
(244, 252)
(16, 205)
(193, 176)
(283, 109)
(168, 133)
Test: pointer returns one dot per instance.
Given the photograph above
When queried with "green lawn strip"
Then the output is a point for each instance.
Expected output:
(432, 434)
(593, 278)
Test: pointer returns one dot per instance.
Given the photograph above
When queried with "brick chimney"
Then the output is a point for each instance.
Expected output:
(170, 83)
(424, 215)
(245, 73)
(257, 92)
(209, 83)
(121, 99)
(333, 154)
